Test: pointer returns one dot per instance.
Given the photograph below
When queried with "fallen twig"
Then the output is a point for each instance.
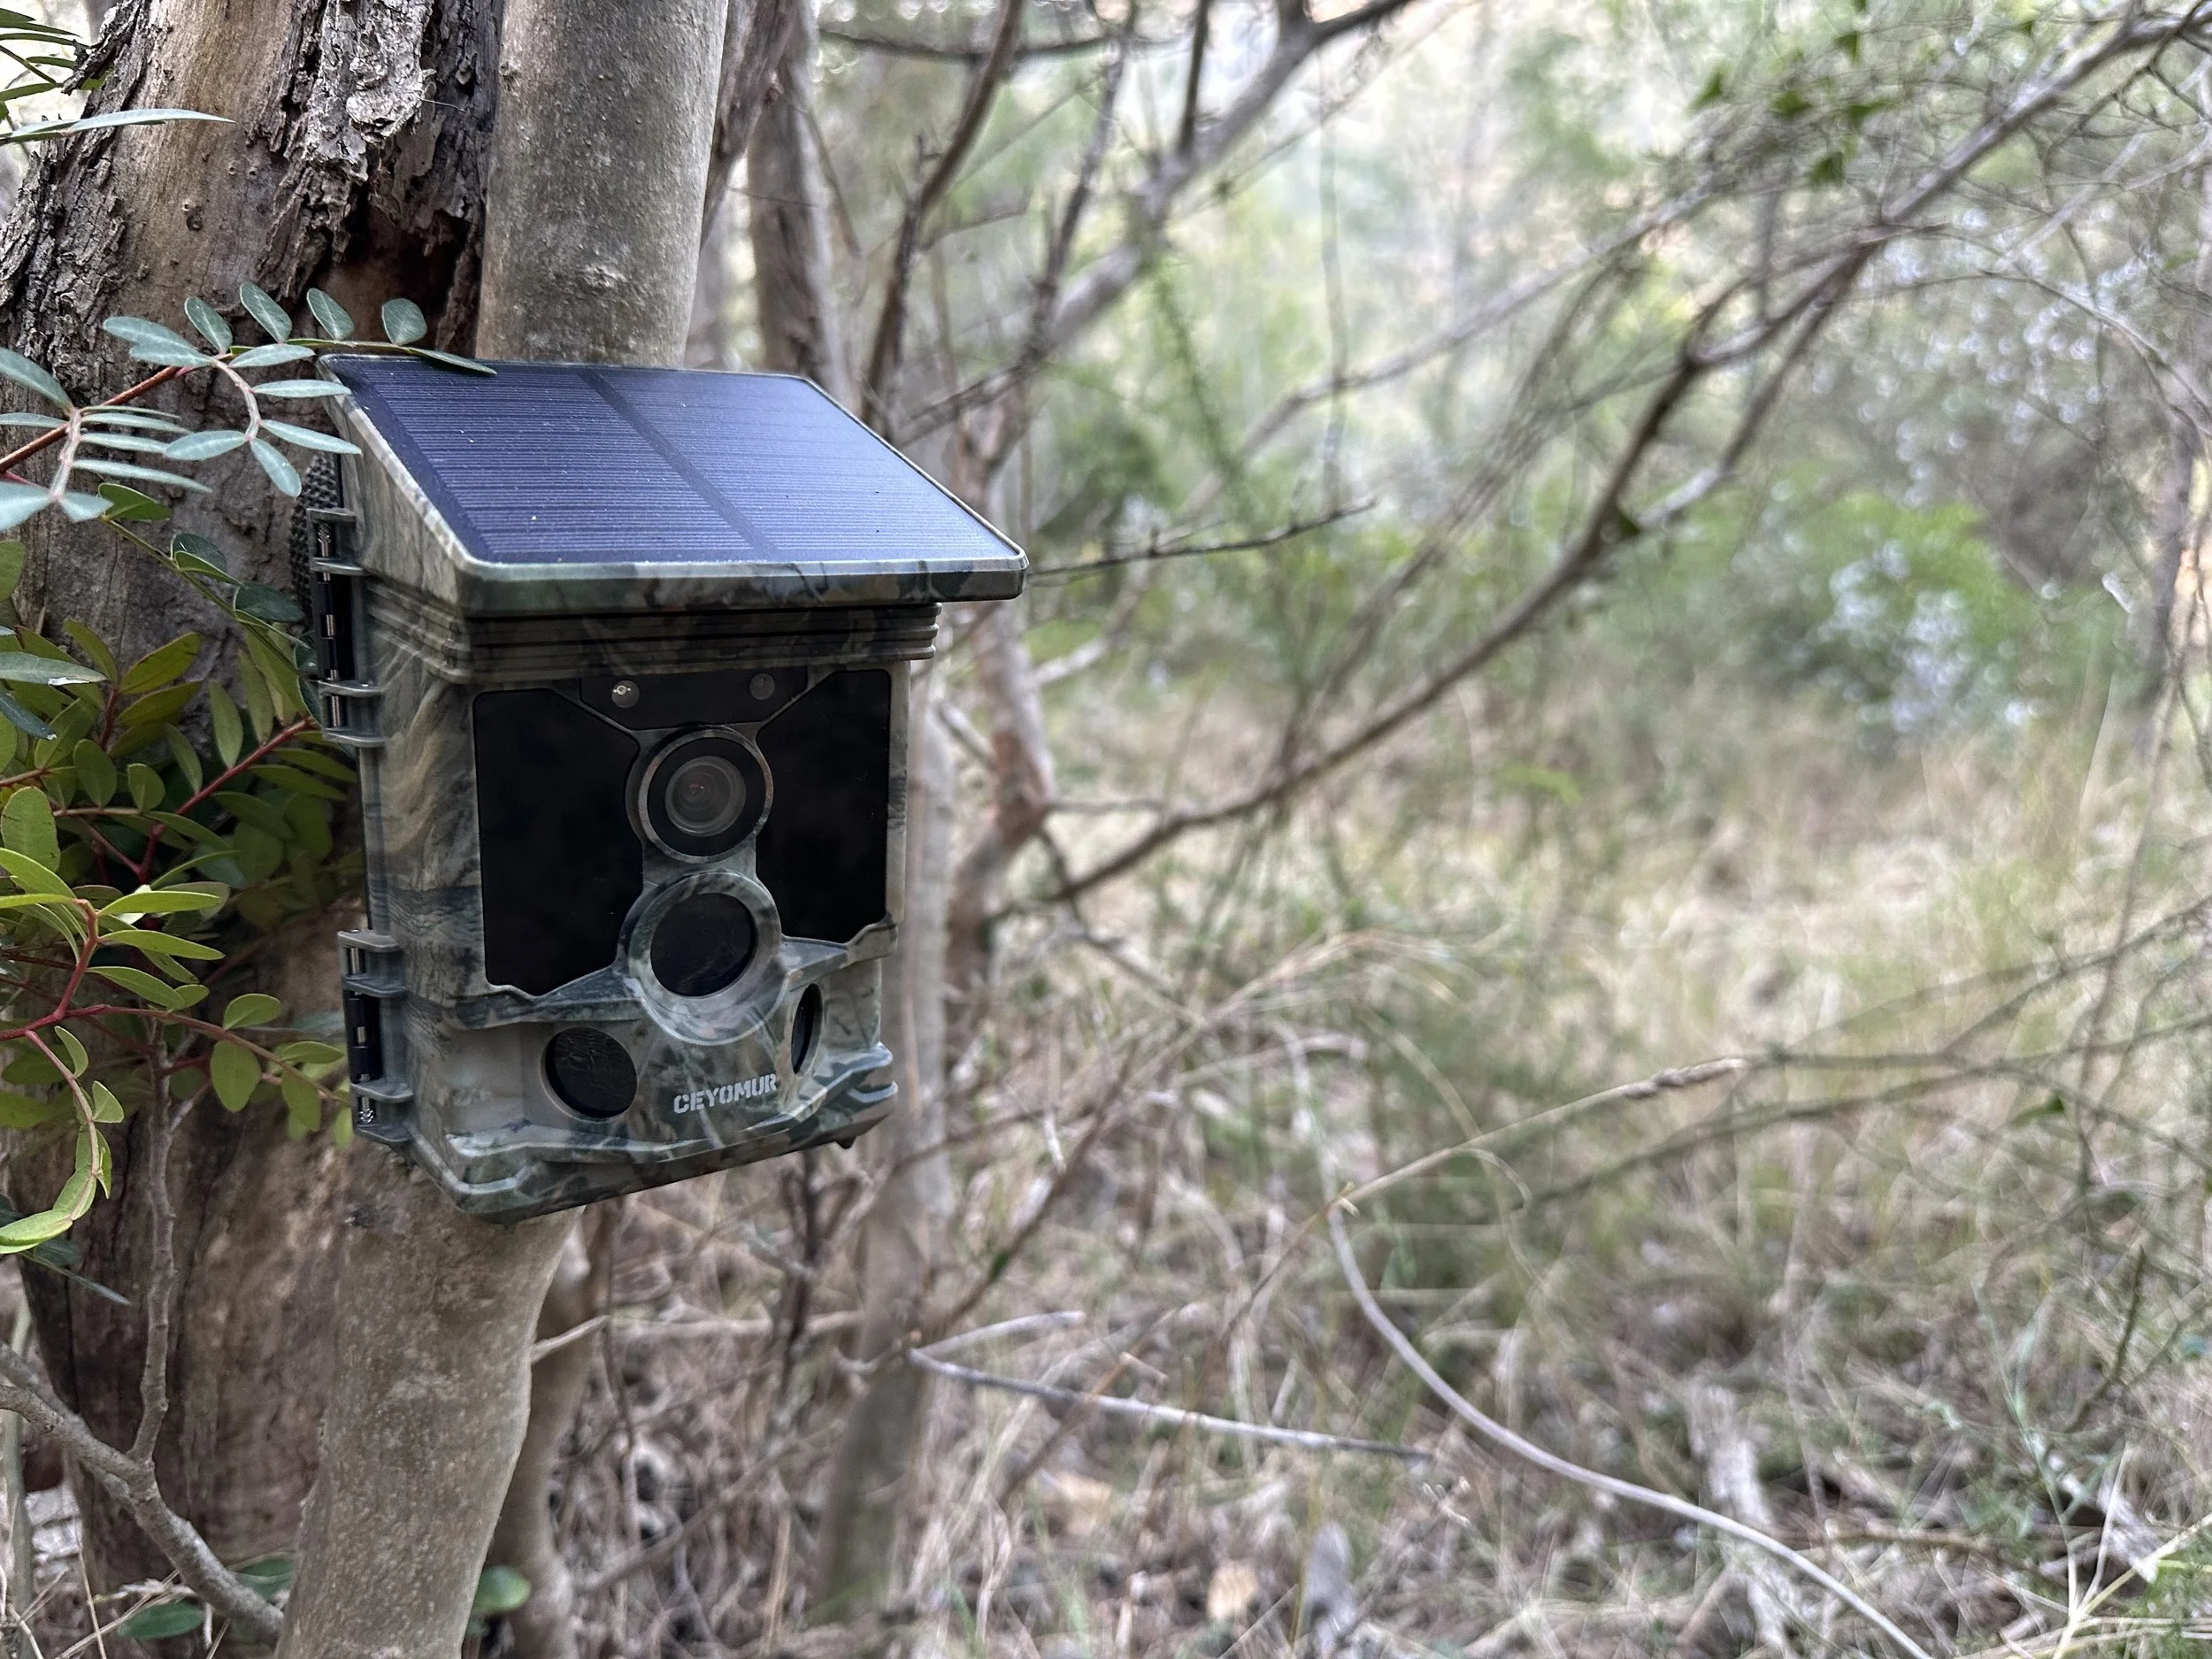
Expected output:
(1115, 1405)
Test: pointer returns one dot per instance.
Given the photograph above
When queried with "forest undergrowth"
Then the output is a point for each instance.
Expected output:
(1913, 1282)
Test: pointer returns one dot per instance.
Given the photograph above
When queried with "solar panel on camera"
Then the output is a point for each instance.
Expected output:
(553, 464)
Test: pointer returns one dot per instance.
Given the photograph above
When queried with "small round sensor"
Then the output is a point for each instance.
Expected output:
(591, 1073)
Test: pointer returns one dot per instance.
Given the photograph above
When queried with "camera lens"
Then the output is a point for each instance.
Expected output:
(590, 1071)
(702, 795)
(703, 945)
(705, 795)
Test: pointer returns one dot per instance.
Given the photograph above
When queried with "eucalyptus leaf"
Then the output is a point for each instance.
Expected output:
(142, 331)
(209, 321)
(448, 360)
(204, 446)
(308, 438)
(275, 322)
(270, 356)
(163, 1619)
(403, 322)
(152, 474)
(335, 321)
(18, 502)
(27, 374)
(125, 505)
(282, 472)
(299, 389)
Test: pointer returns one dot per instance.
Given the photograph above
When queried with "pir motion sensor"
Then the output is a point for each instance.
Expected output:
(622, 654)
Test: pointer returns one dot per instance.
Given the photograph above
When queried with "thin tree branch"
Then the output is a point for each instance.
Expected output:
(137, 1489)
(890, 336)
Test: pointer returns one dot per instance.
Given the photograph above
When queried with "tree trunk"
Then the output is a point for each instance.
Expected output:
(354, 159)
(855, 1555)
(788, 218)
(594, 205)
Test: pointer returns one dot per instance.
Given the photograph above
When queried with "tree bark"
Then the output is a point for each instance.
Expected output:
(354, 159)
(594, 205)
(788, 219)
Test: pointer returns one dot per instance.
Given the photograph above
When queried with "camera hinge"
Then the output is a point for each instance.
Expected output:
(371, 979)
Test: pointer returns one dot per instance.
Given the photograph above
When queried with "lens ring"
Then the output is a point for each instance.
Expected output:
(702, 795)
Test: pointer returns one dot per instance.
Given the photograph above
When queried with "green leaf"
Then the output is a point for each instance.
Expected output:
(162, 664)
(113, 415)
(96, 772)
(10, 566)
(275, 322)
(1827, 170)
(196, 554)
(22, 669)
(203, 445)
(223, 718)
(499, 1590)
(269, 603)
(151, 474)
(31, 1230)
(74, 1058)
(141, 984)
(92, 645)
(18, 502)
(21, 718)
(162, 1618)
(1713, 91)
(308, 438)
(253, 1008)
(309, 1053)
(28, 375)
(162, 944)
(20, 1112)
(302, 1105)
(125, 505)
(268, 1578)
(188, 760)
(145, 786)
(403, 322)
(299, 389)
(209, 321)
(158, 707)
(26, 829)
(36, 422)
(236, 1073)
(163, 902)
(280, 471)
(33, 875)
(270, 356)
(141, 332)
(1789, 104)
(336, 325)
(260, 711)
(105, 1108)
(447, 360)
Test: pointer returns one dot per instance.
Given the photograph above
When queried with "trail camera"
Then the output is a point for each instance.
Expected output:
(623, 655)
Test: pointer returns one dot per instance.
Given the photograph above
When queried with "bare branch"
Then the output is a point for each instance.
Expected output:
(137, 1489)
(890, 335)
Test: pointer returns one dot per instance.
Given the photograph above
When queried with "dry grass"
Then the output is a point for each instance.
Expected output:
(1925, 1274)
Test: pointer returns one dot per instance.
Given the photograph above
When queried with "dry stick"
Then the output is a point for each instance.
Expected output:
(1505, 1439)
(1114, 1405)
(137, 1489)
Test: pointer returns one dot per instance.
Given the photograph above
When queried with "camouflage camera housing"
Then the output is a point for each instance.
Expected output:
(623, 656)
